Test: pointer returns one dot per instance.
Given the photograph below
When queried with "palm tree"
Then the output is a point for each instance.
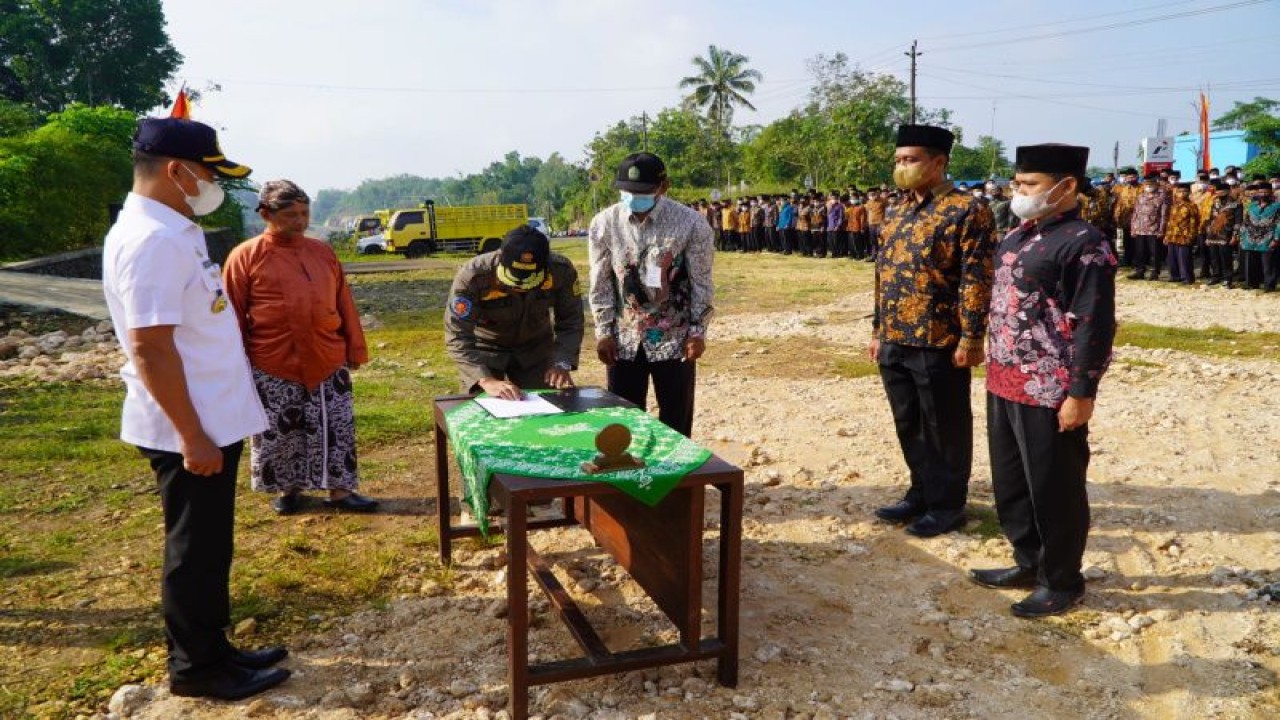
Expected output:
(722, 82)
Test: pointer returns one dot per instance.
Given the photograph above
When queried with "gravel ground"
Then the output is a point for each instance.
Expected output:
(847, 617)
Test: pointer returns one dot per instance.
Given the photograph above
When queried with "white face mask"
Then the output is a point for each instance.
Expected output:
(208, 197)
(1033, 207)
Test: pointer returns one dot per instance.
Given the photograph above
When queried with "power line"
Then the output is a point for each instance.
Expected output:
(1122, 89)
(1052, 100)
(1058, 23)
(1108, 26)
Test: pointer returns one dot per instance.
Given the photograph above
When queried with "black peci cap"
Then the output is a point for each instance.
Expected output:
(1054, 158)
(926, 136)
(640, 173)
(185, 140)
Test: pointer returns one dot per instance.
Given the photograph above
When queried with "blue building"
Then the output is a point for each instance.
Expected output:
(1226, 147)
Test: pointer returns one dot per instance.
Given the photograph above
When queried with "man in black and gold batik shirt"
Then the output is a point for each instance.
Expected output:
(933, 283)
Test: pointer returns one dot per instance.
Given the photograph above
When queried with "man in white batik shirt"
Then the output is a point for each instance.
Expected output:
(651, 291)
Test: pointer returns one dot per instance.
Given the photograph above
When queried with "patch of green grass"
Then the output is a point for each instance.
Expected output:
(1139, 362)
(749, 283)
(115, 670)
(988, 526)
(854, 366)
(1214, 341)
(18, 566)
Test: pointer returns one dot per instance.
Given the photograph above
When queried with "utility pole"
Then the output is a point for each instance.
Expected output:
(913, 55)
(992, 172)
(644, 129)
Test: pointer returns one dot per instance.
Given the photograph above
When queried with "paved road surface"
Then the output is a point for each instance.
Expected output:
(84, 297)
(47, 292)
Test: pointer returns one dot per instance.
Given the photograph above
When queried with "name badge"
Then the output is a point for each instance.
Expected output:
(653, 274)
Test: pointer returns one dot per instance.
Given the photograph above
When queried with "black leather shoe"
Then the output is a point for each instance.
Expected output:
(932, 524)
(1014, 577)
(1044, 602)
(900, 512)
(1138, 276)
(287, 504)
(257, 659)
(354, 502)
(231, 683)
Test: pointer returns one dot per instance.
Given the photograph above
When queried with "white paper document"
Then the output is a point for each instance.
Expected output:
(531, 405)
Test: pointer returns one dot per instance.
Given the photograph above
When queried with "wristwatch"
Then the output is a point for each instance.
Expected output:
(562, 365)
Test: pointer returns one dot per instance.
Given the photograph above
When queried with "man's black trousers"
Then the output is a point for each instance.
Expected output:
(673, 388)
(199, 519)
(1038, 476)
(929, 397)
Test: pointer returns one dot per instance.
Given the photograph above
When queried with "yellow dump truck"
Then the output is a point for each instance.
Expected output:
(428, 229)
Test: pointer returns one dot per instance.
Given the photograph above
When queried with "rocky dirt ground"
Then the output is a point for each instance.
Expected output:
(847, 617)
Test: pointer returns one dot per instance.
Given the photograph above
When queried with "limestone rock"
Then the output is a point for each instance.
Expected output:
(129, 699)
(245, 627)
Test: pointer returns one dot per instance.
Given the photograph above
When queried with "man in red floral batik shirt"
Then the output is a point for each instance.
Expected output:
(1049, 338)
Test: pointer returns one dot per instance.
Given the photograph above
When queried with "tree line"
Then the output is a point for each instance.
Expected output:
(76, 74)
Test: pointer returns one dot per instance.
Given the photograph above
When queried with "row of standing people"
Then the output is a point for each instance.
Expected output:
(1221, 229)
(839, 224)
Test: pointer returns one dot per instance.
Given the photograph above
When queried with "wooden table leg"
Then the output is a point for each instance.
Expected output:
(730, 580)
(517, 607)
(443, 528)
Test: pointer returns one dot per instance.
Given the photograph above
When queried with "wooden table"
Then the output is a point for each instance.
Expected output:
(661, 548)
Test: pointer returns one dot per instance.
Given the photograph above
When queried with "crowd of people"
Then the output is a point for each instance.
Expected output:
(1020, 277)
(1221, 229)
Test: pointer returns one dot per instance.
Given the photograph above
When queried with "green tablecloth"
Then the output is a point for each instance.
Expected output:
(555, 446)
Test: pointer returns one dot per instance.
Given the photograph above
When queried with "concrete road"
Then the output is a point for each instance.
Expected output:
(84, 297)
(47, 292)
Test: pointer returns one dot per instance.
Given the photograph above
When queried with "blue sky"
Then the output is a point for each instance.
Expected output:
(329, 93)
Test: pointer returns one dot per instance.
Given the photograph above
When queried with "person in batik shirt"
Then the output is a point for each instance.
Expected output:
(1150, 217)
(932, 284)
(1180, 234)
(1050, 333)
(1125, 196)
(651, 291)
(1220, 239)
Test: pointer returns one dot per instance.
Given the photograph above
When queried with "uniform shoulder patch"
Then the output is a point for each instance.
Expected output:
(461, 306)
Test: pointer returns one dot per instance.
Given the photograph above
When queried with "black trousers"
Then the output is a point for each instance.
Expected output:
(1254, 268)
(1271, 268)
(1128, 247)
(673, 388)
(199, 519)
(1146, 253)
(929, 397)
(1221, 262)
(1038, 475)
(1206, 258)
(859, 245)
(789, 240)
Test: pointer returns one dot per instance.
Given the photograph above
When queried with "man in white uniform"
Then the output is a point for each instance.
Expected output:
(190, 399)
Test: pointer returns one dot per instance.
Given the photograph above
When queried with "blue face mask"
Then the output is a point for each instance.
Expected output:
(639, 203)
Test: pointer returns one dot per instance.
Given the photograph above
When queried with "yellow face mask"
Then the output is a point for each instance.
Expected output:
(909, 177)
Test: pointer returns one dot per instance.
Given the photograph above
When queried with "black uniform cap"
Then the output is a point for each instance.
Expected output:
(640, 173)
(926, 136)
(522, 262)
(1053, 158)
(186, 140)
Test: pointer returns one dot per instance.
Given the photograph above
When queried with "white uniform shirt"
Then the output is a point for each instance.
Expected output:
(156, 271)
